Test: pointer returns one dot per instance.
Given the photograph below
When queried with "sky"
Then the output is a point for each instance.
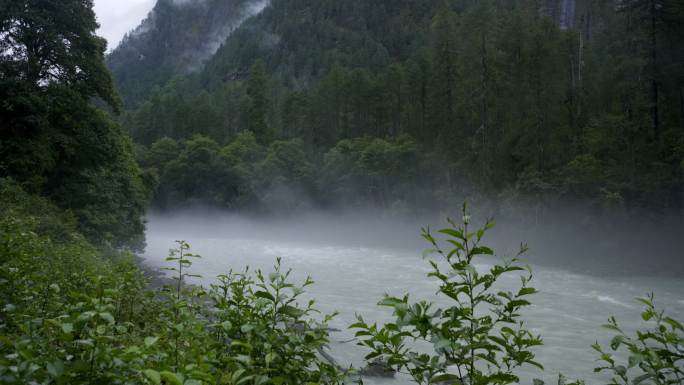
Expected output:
(116, 17)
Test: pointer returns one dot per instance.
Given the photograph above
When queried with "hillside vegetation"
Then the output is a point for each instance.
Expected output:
(326, 101)
(399, 103)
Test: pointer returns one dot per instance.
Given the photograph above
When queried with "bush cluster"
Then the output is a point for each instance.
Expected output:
(69, 315)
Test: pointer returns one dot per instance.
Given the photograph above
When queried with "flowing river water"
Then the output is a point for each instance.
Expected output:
(354, 263)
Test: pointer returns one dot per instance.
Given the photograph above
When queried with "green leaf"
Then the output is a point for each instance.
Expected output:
(85, 316)
(226, 325)
(526, 291)
(635, 360)
(535, 363)
(107, 317)
(616, 342)
(674, 324)
(67, 328)
(642, 378)
(270, 357)
(482, 250)
(291, 311)
(87, 342)
(442, 344)
(612, 327)
(390, 301)
(645, 301)
(199, 375)
(447, 378)
(499, 340)
(265, 295)
(55, 369)
(170, 378)
(244, 380)
(241, 344)
(149, 341)
(454, 233)
(153, 376)
(647, 315)
(237, 374)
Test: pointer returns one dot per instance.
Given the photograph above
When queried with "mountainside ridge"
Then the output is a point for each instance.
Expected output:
(403, 102)
(176, 38)
(160, 48)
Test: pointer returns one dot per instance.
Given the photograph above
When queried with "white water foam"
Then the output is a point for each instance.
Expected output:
(611, 300)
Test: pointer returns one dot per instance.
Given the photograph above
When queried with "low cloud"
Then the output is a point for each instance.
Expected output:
(116, 18)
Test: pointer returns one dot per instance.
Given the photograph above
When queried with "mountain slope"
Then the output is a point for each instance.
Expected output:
(302, 39)
(412, 102)
(176, 38)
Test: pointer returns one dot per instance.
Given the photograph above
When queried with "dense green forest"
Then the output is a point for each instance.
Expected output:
(407, 104)
(55, 141)
(388, 103)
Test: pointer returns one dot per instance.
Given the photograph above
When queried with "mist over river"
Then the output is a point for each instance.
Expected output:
(356, 259)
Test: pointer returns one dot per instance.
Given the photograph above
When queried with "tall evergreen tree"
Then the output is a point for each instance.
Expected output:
(257, 106)
(443, 82)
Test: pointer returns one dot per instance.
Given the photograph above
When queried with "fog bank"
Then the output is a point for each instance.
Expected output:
(598, 246)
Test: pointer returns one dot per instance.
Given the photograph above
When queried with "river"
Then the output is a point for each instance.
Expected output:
(355, 261)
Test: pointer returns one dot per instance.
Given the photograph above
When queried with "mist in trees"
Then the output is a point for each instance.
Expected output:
(532, 110)
(486, 98)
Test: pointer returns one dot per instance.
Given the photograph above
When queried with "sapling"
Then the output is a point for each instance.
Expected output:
(655, 356)
(182, 257)
(479, 338)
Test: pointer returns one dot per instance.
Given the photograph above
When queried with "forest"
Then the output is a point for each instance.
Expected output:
(425, 104)
(402, 106)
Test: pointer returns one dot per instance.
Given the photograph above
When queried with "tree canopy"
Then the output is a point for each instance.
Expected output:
(500, 98)
(55, 139)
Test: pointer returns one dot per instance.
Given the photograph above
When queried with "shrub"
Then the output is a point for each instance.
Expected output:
(479, 339)
(654, 356)
(68, 316)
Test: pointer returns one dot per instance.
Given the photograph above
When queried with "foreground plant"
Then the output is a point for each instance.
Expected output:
(265, 334)
(68, 316)
(479, 339)
(654, 356)
(245, 329)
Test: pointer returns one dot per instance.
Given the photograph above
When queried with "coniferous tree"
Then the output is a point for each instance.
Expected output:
(256, 113)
